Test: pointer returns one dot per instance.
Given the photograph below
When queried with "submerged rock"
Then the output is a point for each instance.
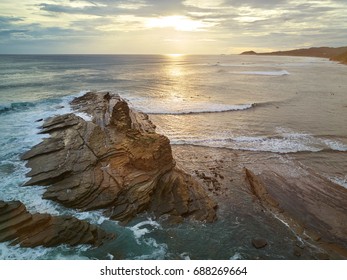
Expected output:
(112, 159)
(259, 243)
(31, 230)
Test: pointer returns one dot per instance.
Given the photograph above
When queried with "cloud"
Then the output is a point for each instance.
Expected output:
(263, 4)
(224, 23)
(204, 4)
(179, 23)
(8, 20)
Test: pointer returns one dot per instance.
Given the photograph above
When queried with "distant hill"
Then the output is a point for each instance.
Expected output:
(249, 53)
(336, 54)
(340, 58)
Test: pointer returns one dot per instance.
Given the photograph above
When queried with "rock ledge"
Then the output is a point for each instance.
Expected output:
(30, 230)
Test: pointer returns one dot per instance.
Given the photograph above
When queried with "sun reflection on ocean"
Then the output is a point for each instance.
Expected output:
(173, 55)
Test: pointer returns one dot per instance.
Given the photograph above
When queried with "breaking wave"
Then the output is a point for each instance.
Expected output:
(284, 143)
(16, 106)
(264, 73)
(197, 108)
(213, 108)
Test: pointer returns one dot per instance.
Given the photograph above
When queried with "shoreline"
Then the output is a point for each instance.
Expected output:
(226, 175)
(333, 54)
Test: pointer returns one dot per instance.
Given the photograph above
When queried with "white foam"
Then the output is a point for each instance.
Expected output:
(283, 141)
(285, 144)
(264, 73)
(236, 256)
(84, 116)
(177, 105)
(253, 143)
(340, 181)
(20, 133)
(159, 252)
(335, 145)
(110, 256)
(140, 229)
(62, 252)
(93, 217)
(185, 256)
(184, 108)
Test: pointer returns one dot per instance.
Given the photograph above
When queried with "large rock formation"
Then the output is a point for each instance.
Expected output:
(113, 161)
(31, 230)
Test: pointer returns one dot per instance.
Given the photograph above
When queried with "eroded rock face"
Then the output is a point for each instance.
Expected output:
(115, 161)
(31, 230)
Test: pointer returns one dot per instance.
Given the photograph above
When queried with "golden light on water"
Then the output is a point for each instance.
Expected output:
(173, 55)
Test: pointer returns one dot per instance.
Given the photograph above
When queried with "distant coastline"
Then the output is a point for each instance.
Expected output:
(334, 54)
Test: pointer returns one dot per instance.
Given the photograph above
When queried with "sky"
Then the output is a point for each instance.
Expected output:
(169, 26)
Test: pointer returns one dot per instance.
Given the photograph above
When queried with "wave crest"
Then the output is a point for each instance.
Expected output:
(196, 109)
(286, 143)
(265, 73)
(16, 106)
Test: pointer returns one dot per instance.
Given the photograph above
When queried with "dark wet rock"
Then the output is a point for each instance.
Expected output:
(259, 243)
(115, 161)
(30, 230)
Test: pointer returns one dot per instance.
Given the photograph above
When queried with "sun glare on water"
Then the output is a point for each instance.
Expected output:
(173, 55)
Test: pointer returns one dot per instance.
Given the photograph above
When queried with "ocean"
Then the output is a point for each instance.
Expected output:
(290, 107)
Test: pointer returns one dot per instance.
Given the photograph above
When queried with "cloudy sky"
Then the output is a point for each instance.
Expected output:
(169, 26)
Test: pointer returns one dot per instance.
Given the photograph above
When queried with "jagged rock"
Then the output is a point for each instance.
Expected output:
(115, 161)
(31, 230)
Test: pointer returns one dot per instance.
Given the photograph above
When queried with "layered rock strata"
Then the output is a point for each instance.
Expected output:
(313, 206)
(112, 159)
(30, 230)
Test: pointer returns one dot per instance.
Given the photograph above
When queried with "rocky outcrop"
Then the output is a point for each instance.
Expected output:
(310, 204)
(112, 159)
(30, 230)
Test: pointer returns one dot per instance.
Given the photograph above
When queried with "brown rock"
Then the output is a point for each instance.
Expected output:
(259, 243)
(114, 162)
(31, 230)
(310, 204)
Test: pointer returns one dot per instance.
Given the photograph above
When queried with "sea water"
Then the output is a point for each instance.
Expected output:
(291, 106)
